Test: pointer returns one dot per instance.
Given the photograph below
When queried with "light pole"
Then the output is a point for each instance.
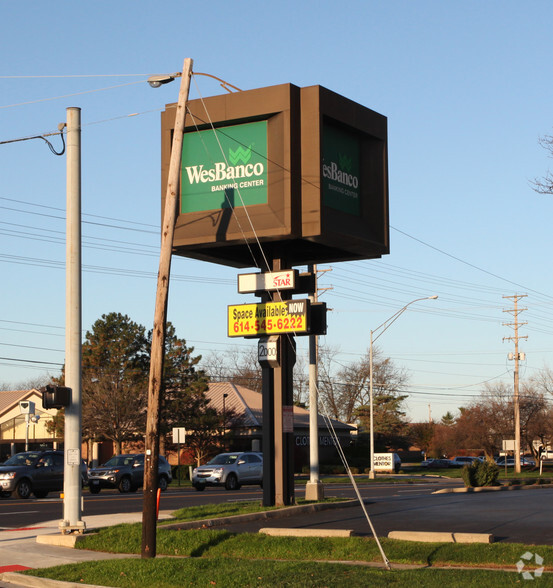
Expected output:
(387, 323)
(149, 509)
(224, 419)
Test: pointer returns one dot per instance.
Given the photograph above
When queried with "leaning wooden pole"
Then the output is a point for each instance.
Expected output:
(149, 516)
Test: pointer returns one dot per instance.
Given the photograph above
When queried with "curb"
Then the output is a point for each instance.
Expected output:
(441, 537)
(18, 579)
(69, 541)
(257, 516)
(493, 488)
(281, 532)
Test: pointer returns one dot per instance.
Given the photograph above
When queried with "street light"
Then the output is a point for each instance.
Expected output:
(225, 395)
(160, 79)
(387, 323)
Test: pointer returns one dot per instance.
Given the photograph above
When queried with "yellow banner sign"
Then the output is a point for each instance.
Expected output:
(269, 318)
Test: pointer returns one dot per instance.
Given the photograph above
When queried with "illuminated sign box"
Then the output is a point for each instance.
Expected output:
(300, 172)
(344, 176)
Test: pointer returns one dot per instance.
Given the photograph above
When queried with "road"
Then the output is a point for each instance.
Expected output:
(515, 516)
(17, 513)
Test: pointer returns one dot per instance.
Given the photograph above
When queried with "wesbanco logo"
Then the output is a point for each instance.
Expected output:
(331, 172)
(222, 171)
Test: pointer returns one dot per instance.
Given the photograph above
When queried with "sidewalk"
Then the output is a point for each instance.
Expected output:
(20, 550)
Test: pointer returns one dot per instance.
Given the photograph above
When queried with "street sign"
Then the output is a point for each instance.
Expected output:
(179, 434)
(287, 419)
(267, 282)
(269, 318)
(267, 352)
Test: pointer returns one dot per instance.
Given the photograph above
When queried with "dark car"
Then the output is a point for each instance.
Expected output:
(34, 472)
(435, 464)
(524, 462)
(126, 473)
(463, 460)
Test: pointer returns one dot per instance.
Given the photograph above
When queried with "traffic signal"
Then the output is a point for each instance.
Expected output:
(55, 397)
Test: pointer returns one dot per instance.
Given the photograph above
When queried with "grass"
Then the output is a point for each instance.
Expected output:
(172, 573)
(211, 557)
(218, 543)
(528, 474)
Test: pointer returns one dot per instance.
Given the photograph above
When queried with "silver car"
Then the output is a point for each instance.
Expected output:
(230, 470)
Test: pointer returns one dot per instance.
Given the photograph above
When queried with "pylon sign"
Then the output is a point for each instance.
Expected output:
(301, 173)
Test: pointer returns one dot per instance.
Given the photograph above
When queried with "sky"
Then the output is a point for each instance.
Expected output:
(466, 89)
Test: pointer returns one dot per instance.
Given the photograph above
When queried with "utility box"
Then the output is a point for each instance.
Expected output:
(55, 397)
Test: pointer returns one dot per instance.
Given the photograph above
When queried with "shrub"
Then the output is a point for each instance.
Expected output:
(480, 474)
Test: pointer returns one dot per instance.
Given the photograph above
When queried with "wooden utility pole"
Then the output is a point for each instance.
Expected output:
(149, 509)
(516, 402)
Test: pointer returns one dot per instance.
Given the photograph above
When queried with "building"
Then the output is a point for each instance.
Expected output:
(241, 408)
(17, 430)
(244, 429)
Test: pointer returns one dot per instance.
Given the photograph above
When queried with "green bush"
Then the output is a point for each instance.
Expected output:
(184, 472)
(480, 474)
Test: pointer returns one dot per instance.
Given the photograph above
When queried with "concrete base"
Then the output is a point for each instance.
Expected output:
(279, 532)
(314, 491)
(60, 540)
(437, 537)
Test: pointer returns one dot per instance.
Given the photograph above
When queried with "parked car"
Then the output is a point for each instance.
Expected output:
(436, 464)
(463, 460)
(524, 461)
(34, 472)
(126, 473)
(230, 470)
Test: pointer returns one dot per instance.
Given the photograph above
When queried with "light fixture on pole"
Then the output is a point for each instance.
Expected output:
(160, 79)
(387, 323)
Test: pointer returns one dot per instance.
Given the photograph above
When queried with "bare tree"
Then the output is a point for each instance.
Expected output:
(545, 185)
(485, 423)
(346, 389)
(238, 366)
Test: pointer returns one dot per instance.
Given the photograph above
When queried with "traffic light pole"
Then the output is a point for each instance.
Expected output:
(72, 511)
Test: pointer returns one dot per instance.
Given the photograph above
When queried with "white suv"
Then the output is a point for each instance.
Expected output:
(230, 470)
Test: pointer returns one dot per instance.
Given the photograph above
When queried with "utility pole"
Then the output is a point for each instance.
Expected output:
(516, 403)
(72, 510)
(149, 509)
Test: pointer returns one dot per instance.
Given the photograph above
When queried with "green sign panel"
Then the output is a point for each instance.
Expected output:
(341, 170)
(224, 168)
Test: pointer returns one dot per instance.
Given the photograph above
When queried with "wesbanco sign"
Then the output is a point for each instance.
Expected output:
(300, 171)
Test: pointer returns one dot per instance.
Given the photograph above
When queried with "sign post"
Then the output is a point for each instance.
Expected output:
(179, 436)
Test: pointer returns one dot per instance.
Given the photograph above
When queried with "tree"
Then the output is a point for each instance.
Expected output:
(422, 435)
(115, 359)
(346, 395)
(448, 419)
(545, 184)
(485, 423)
(238, 366)
(346, 390)
(183, 399)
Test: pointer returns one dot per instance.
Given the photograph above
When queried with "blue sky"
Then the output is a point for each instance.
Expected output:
(466, 87)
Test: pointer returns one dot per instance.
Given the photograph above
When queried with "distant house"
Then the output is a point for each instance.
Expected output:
(244, 428)
(16, 431)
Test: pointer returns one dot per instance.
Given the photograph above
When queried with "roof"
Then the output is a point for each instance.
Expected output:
(10, 398)
(247, 406)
